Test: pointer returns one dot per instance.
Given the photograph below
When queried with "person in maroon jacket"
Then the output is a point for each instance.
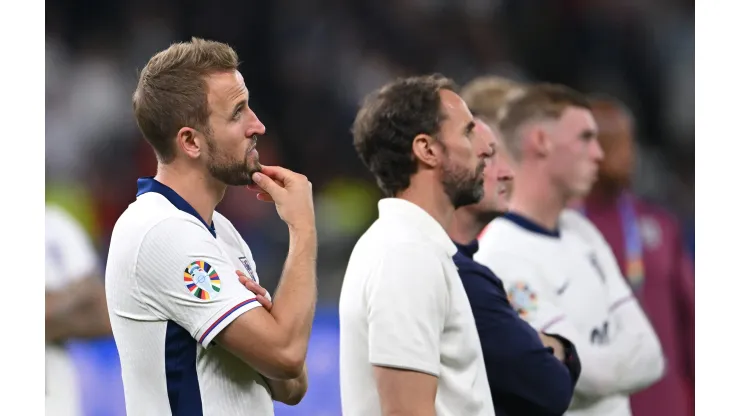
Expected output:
(647, 242)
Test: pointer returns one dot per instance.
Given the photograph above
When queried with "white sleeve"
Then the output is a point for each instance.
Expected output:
(184, 276)
(407, 301)
(70, 255)
(606, 369)
(643, 363)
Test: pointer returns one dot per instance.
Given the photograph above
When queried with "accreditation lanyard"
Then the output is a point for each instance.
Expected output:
(634, 267)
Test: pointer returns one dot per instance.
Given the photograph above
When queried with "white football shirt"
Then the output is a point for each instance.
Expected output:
(402, 305)
(70, 257)
(567, 282)
(171, 286)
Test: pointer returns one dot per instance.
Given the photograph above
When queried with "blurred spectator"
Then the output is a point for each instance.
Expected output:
(75, 307)
(648, 244)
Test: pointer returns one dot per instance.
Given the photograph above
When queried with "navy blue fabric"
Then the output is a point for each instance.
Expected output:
(183, 388)
(149, 184)
(525, 378)
(180, 349)
(530, 225)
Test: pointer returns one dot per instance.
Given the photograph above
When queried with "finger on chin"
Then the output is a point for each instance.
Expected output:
(276, 173)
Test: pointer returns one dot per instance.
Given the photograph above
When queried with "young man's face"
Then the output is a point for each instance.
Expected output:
(232, 156)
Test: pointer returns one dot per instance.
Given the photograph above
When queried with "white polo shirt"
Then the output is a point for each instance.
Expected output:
(403, 305)
(171, 286)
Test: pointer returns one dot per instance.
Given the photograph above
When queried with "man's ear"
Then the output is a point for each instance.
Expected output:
(190, 142)
(537, 138)
(427, 150)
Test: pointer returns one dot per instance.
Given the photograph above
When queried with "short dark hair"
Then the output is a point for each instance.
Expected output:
(538, 101)
(389, 120)
(599, 101)
(172, 91)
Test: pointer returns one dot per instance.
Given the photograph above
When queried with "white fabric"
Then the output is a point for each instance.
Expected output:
(163, 330)
(571, 285)
(403, 305)
(69, 257)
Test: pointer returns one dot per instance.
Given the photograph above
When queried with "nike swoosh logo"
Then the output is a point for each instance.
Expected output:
(562, 289)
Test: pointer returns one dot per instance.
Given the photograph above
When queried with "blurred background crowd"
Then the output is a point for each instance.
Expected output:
(308, 64)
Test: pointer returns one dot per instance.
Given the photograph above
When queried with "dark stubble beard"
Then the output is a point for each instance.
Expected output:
(463, 187)
(228, 168)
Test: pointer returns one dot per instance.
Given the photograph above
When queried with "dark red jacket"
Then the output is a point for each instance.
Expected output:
(667, 297)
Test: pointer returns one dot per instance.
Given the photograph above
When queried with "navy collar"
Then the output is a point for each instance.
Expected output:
(467, 250)
(149, 184)
(530, 225)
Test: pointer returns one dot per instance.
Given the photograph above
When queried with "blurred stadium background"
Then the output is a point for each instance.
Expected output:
(307, 64)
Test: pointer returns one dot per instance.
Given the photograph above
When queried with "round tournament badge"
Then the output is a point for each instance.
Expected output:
(523, 299)
(202, 280)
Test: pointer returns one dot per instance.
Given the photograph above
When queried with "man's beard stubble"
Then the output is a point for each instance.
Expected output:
(463, 187)
(228, 169)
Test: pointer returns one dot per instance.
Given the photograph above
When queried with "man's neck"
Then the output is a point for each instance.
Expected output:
(467, 225)
(430, 197)
(538, 200)
(196, 188)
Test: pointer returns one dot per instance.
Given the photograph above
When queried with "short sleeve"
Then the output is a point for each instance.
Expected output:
(183, 275)
(407, 302)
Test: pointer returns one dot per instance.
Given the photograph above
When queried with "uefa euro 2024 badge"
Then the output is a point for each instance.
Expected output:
(523, 299)
(202, 280)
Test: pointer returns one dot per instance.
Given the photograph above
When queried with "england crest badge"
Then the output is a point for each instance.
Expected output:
(250, 272)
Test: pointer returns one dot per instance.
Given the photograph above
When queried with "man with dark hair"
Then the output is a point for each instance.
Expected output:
(192, 338)
(408, 343)
(529, 373)
(559, 272)
(646, 240)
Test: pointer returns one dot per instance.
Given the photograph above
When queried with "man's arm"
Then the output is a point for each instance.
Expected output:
(606, 369)
(292, 391)
(524, 376)
(642, 362)
(405, 392)
(210, 303)
(79, 312)
(75, 296)
(275, 343)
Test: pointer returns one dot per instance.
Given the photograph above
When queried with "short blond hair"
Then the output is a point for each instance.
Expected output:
(537, 102)
(487, 95)
(172, 92)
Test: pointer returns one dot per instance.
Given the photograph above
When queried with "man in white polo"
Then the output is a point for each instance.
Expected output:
(408, 341)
